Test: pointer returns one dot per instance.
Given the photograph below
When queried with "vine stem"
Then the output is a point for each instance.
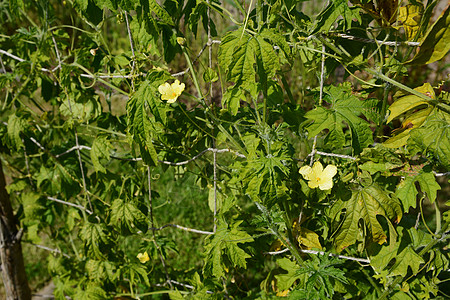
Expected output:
(193, 75)
(152, 223)
(322, 75)
(130, 37)
(275, 232)
(346, 58)
(212, 107)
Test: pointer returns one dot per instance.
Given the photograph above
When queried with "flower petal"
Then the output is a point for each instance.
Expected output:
(317, 169)
(306, 172)
(313, 183)
(143, 257)
(326, 184)
(163, 88)
(329, 171)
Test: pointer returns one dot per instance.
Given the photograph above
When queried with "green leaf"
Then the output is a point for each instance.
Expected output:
(145, 34)
(82, 109)
(232, 98)
(432, 138)
(32, 207)
(265, 175)
(436, 43)
(321, 275)
(241, 69)
(344, 108)
(109, 4)
(379, 159)
(365, 204)
(267, 58)
(240, 52)
(136, 271)
(210, 75)
(285, 280)
(127, 217)
(100, 271)
(163, 15)
(175, 295)
(225, 242)
(16, 126)
(220, 198)
(406, 190)
(335, 10)
(139, 121)
(408, 102)
(91, 292)
(404, 259)
(100, 149)
(82, 4)
(373, 167)
(96, 239)
(276, 39)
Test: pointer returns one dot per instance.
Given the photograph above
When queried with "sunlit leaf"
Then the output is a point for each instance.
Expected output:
(127, 217)
(16, 126)
(162, 14)
(100, 149)
(406, 103)
(285, 280)
(410, 17)
(96, 239)
(407, 258)
(417, 112)
(336, 9)
(365, 204)
(225, 242)
(345, 108)
(308, 238)
(436, 43)
(407, 192)
(99, 270)
(243, 56)
(432, 138)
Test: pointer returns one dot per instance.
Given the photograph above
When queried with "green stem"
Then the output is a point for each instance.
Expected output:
(246, 17)
(259, 14)
(193, 75)
(99, 79)
(383, 110)
(372, 282)
(104, 130)
(438, 217)
(346, 59)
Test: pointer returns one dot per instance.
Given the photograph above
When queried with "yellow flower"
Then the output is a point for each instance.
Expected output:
(171, 92)
(319, 177)
(143, 257)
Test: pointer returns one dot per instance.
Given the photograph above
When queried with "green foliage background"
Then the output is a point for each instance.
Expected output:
(102, 169)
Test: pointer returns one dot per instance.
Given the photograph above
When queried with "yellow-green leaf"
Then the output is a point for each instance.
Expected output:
(406, 103)
(308, 238)
(407, 192)
(436, 43)
(16, 125)
(398, 140)
(410, 16)
(100, 149)
(365, 204)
